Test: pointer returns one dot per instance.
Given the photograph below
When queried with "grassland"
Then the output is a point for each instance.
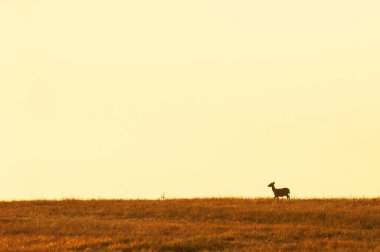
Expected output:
(225, 224)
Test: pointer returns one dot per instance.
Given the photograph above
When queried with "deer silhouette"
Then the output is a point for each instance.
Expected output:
(279, 192)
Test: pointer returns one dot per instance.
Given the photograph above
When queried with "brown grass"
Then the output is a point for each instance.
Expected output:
(225, 224)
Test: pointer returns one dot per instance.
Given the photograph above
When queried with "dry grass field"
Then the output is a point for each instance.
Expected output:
(220, 224)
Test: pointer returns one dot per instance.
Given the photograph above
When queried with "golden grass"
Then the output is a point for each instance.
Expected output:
(221, 224)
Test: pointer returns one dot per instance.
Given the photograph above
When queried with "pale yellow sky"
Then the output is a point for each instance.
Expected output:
(126, 99)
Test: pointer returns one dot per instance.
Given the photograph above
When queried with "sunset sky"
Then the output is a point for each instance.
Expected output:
(132, 99)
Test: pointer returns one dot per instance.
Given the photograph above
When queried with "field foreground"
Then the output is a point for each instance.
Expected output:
(227, 224)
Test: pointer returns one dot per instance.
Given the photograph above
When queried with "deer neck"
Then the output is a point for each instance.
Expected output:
(273, 189)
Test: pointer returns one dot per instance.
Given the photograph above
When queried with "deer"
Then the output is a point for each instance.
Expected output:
(279, 192)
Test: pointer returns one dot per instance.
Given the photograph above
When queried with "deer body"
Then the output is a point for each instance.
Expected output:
(281, 192)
